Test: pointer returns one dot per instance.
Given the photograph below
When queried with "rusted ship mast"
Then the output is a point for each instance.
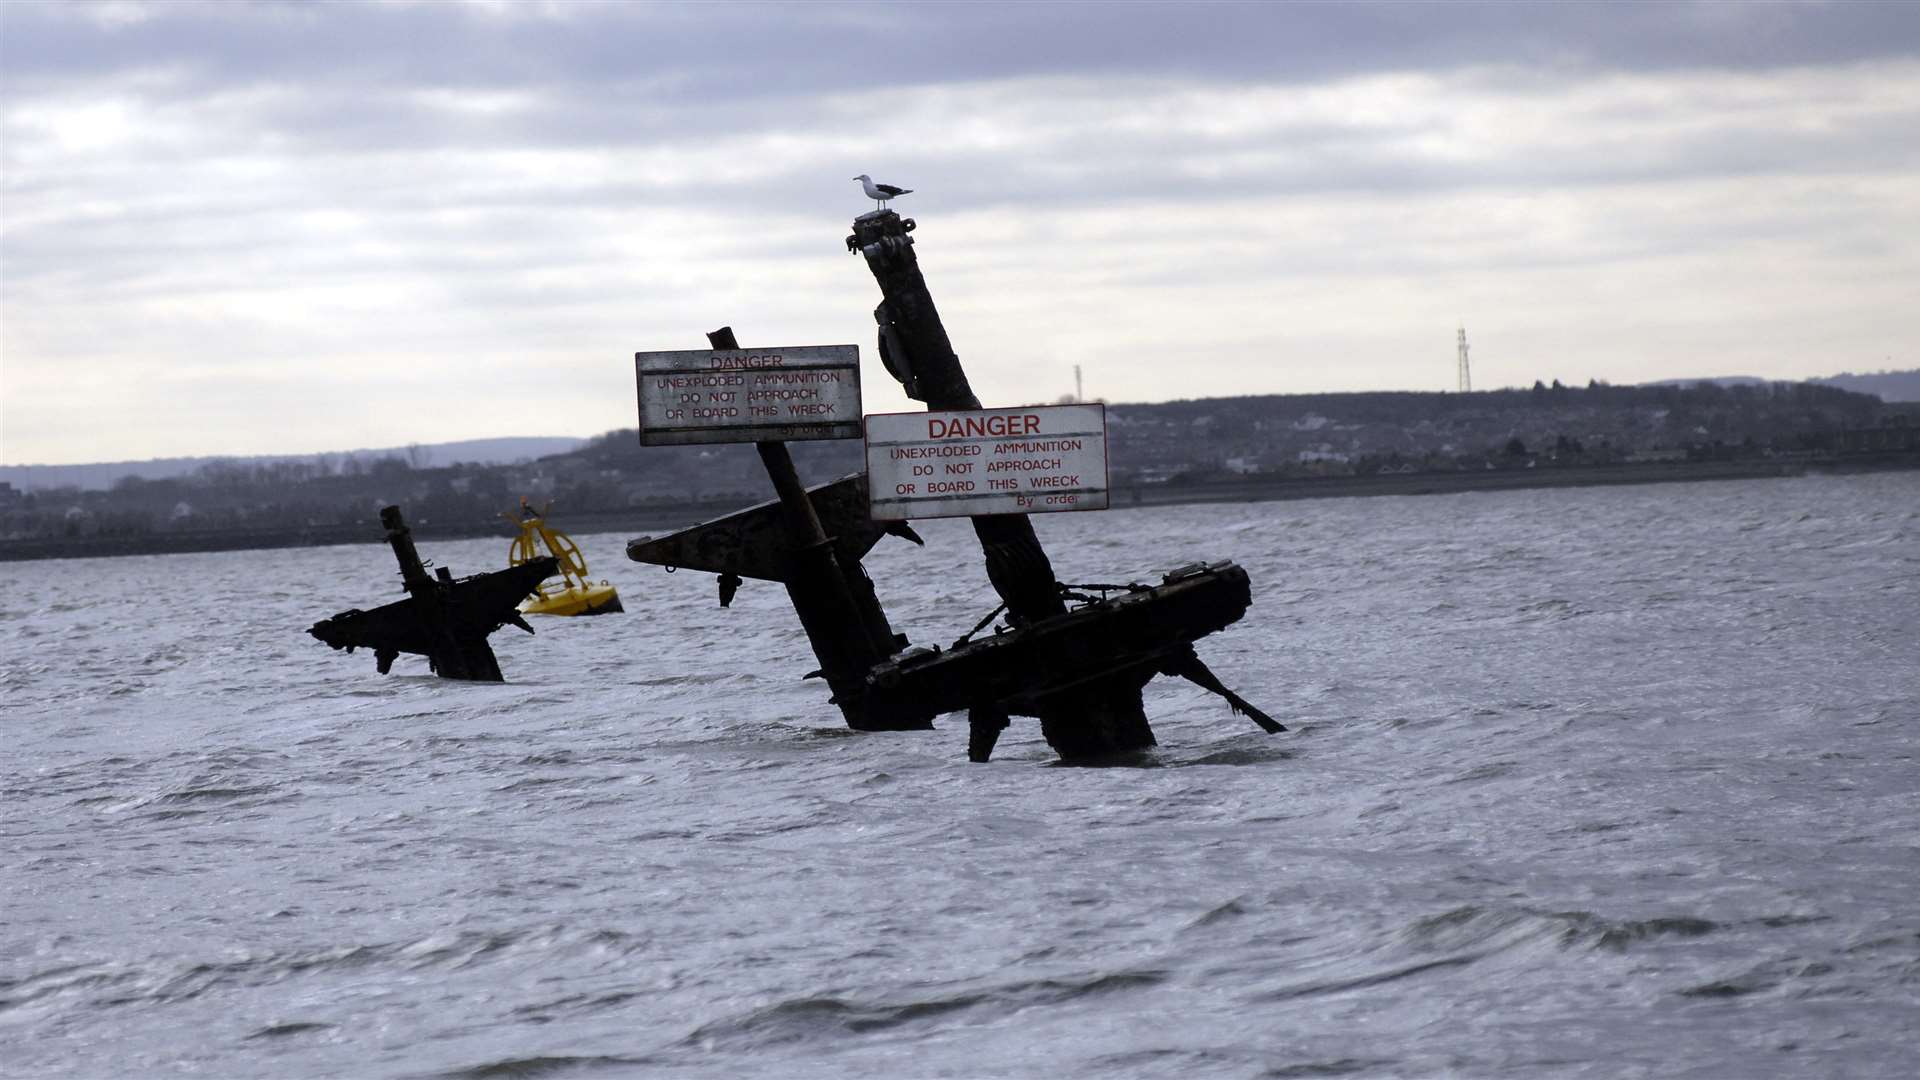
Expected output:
(1072, 659)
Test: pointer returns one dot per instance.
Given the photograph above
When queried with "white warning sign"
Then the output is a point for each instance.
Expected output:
(748, 395)
(1029, 460)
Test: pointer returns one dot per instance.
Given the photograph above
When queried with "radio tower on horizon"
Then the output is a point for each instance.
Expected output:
(1466, 377)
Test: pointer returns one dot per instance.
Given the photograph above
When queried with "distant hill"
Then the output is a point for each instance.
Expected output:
(331, 498)
(1534, 419)
(101, 476)
(1887, 385)
(1722, 380)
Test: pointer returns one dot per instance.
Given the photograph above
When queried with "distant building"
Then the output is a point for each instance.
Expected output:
(1898, 434)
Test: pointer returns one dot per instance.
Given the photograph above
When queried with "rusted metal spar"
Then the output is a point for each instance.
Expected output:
(1092, 720)
(915, 348)
(820, 567)
(848, 636)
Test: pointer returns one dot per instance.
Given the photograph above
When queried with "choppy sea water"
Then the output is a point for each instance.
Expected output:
(1599, 782)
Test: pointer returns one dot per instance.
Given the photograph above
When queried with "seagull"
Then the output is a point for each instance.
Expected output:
(880, 193)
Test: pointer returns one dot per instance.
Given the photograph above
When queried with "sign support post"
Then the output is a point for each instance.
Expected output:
(715, 402)
(848, 637)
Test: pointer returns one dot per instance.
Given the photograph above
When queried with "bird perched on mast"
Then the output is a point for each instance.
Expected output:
(880, 193)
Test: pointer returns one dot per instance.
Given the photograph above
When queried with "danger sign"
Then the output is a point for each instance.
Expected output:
(748, 395)
(1029, 460)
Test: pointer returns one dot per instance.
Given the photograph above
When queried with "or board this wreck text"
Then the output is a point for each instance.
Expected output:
(987, 461)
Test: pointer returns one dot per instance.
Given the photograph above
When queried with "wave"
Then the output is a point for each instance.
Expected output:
(810, 1019)
(106, 984)
(1473, 927)
(553, 1065)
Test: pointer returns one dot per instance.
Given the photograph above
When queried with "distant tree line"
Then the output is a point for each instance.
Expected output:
(1547, 425)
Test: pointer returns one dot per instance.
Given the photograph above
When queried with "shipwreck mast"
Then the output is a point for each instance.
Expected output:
(1079, 670)
(1104, 717)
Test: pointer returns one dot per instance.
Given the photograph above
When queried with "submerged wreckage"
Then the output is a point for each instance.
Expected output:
(443, 619)
(1074, 660)
(1074, 656)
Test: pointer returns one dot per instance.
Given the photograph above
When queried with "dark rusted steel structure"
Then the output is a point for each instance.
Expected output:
(445, 620)
(1074, 660)
(1080, 671)
(811, 541)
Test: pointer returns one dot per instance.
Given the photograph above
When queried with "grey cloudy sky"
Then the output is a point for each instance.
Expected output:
(231, 228)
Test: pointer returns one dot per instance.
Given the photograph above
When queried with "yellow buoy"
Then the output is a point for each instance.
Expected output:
(573, 594)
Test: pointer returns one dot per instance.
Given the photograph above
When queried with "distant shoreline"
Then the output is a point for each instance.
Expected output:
(1447, 483)
(667, 517)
